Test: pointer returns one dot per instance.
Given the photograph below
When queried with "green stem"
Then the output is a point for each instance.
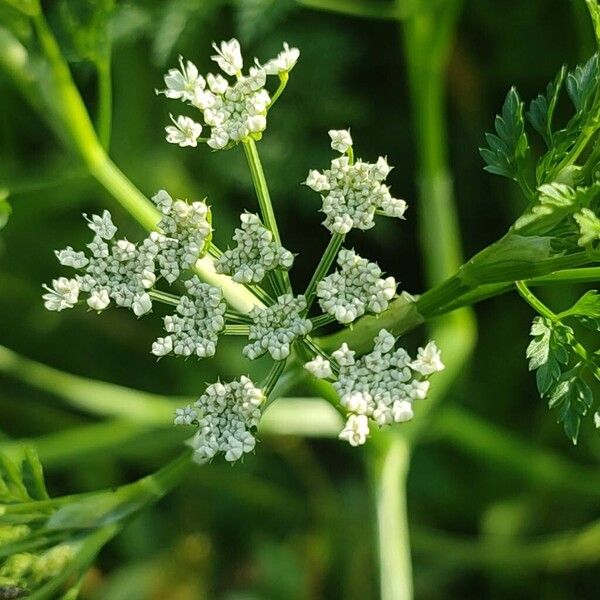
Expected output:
(534, 301)
(333, 247)
(104, 124)
(264, 201)
(389, 470)
(283, 81)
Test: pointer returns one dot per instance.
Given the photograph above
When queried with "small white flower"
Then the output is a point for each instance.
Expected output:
(319, 367)
(344, 356)
(356, 430)
(183, 83)
(229, 56)
(69, 258)
(428, 360)
(102, 226)
(341, 140)
(218, 139)
(317, 181)
(217, 83)
(284, 62)
(98, 300)
(185, 416)
(382, 169)
(184, 131)
(162, 346)
(142, 304)
(64, 293)
(402, 411)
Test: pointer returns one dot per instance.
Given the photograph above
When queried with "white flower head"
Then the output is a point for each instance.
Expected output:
(275, 328)
(356, 430)
(352, 192)
(319, 367)
(317, 181)
(102, 226)
(64, 293)
(341, 140)
(356, 288)
(284, 62)
(184, 131)
(226, 416)
(228, 56)
(183, 83)
(256, 253)
(429, 360)
(98, 300)
(69, 258)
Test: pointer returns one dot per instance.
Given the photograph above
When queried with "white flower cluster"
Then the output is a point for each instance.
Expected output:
(225, 414)
(186, 233)
(196, 324)
(256, 253)
(353, 191)
(355, 289)
(120, 271)
(381, 386)
(234, 111)
(274, 328)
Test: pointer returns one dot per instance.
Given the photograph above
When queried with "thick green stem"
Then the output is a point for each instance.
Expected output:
(104, 124)
(389, 471)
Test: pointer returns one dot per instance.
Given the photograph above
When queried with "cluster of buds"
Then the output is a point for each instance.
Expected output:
(25, 571)
(380, 386)
(353, 191)
(119, 271)
(226, 416)
(274, 328)
(194, 328)
(233, 110)
(255, 254)
(185, 234)
(357, 287)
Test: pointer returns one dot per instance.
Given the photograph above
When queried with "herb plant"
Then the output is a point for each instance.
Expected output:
(338, 335)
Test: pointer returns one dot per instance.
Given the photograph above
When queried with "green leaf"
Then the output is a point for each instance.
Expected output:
(554, 202)
(508, 149)
(587, 306)
(572, 398)
(582, 82)
(541, 110)
(548, 351)
(589, 227)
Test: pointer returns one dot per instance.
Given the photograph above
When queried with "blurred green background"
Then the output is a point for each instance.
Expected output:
(295, 520)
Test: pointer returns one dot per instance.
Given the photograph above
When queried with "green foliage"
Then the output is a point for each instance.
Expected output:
(589, 227)
(541, 110)
(561, 363)
(509, 148)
